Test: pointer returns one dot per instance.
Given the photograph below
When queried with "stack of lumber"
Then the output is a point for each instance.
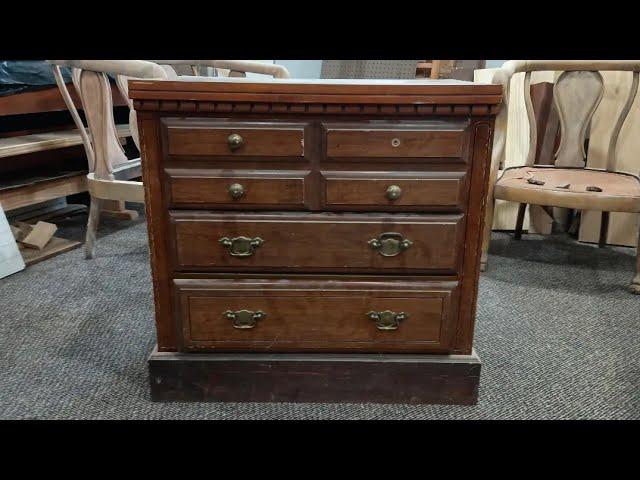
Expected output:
(37, 242)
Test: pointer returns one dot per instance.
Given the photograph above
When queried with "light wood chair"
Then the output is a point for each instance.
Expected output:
(566, 182)
(110, 172)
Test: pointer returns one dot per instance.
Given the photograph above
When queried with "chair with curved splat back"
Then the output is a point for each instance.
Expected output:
(567, 183)
(110, 172)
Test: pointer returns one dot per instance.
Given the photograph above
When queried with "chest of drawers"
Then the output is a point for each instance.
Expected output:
(315, 241)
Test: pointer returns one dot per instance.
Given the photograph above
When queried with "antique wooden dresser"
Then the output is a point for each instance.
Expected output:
(315, 240)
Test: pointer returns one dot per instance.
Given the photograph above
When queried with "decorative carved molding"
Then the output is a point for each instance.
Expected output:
(203, 106)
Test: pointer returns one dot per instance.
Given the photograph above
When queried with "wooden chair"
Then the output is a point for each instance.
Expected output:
(565, 182)
(110, 172)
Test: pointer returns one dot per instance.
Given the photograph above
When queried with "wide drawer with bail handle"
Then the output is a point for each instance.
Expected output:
(322, 242)
(295, 314)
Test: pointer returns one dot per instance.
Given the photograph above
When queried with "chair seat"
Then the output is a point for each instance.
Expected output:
(620, 192)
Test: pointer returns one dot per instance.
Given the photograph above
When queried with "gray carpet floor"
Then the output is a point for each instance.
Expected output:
(557, 331)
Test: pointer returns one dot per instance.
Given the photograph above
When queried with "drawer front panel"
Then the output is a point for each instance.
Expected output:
(345, 190)
(395, 141)
(307, 315)
(237, 139)
(317, 242)
(202, 188)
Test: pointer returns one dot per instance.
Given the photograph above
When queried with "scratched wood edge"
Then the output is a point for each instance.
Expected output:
(475, 218)
(149, 130)
(309, 377)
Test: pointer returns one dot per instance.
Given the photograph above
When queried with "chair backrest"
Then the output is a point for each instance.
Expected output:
(102, 146)
(577, 93)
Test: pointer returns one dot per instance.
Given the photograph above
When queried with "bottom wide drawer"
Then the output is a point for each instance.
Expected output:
(305, 315)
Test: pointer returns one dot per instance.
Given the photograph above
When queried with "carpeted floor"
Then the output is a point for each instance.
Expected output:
(557, 331)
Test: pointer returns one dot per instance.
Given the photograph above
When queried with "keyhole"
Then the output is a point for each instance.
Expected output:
(395, 142)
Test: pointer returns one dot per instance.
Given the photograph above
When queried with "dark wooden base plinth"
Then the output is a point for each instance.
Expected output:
(352, 378)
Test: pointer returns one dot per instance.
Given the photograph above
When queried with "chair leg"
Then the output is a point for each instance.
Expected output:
(522, 208)
(604, 228)
(92, 228)
(486, 233)
(635, 283)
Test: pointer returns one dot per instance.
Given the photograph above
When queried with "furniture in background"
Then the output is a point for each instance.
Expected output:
(460, 69)
(623, 227)
(40, 154)
(315, 241)
(428, 69)
(568, 183)
(110, 174)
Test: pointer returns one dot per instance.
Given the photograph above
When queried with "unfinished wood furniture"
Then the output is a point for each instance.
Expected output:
(110, 171)
(315, 240)
(568, 183)
(428, 69)
(40, 155)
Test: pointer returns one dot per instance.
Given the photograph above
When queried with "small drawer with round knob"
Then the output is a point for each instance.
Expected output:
(209, 188)
(218, 138)
(419, 191)
(426, 140)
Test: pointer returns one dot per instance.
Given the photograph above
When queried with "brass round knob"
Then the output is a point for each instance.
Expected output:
(235, 141)
(236, 190)
(394, 192)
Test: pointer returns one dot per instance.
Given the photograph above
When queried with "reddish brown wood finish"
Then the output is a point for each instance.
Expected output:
(211, 188)
(317, 242)
(266, 139)
(414, 141)
(418, 190)
(314, 315)
(318, 147)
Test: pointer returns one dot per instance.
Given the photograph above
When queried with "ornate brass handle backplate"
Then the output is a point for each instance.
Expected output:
(390, 244)
(244, 319)
(387, 320)
(241, 246)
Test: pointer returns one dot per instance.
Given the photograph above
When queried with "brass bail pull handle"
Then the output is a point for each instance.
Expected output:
(387, 320)
(241, 246)
(235, 141)
(244, 319)
(390, 244)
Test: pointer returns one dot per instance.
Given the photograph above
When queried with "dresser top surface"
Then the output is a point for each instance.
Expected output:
(204, 88)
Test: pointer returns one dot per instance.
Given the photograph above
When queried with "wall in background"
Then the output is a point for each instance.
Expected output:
(312, 68)
(302, 68)
(297, 68)
(494, 63)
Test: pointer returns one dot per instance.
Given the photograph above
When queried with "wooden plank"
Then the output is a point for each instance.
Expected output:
(42, 191)
(39, 236)
(38, 142)
(46, 100)
(56, 246)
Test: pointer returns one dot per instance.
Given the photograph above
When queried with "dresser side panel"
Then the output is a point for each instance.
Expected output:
(156, 213)
(481, 153)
